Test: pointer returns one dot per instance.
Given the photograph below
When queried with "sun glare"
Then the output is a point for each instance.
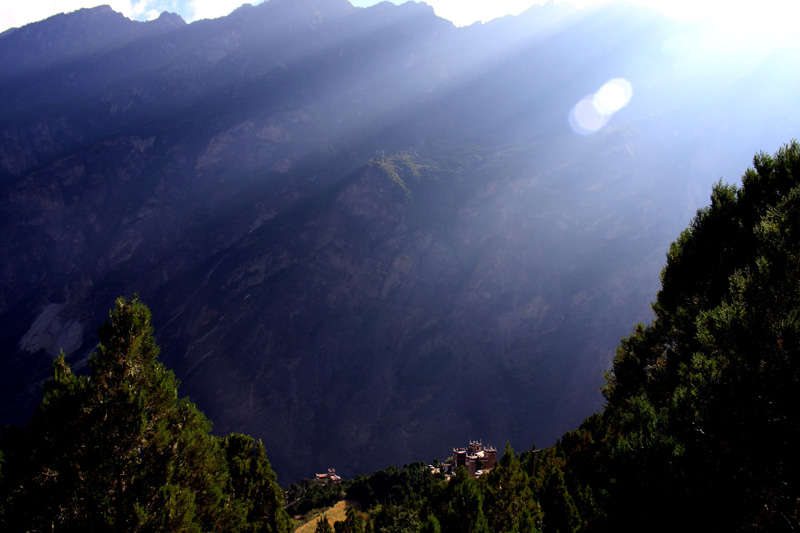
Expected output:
(594, 111)
(733, 24)
(763, 25)
(613, 96)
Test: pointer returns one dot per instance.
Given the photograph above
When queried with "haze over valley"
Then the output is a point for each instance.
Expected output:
(366, 235)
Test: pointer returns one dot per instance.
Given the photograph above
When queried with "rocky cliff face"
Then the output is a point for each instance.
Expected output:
(365, 234)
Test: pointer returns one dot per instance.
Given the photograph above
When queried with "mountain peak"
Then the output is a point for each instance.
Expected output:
(172, 19)
(60, 37)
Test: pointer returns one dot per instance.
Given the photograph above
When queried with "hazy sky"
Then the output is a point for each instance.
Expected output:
(461, 12)
(760, 20)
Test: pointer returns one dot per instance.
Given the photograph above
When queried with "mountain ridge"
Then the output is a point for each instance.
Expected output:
(363, 235)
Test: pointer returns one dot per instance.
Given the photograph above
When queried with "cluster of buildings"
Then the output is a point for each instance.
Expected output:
(476, 458)
(330, 477)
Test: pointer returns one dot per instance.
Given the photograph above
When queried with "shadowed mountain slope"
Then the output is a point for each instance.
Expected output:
(365, 234)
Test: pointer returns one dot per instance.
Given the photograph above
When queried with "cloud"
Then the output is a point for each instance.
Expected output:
(210, 9)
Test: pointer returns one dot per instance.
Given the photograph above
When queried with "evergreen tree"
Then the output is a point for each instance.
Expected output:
(509, 501)
(560, 513)
(353, 522)
(701, 422)
(252, 484)
(47, 487)
(465, 505)
(323, 526)
(119, 451)
(550, 488)
(395, 519)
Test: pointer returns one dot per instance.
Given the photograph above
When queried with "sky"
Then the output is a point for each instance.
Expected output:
(764, 21)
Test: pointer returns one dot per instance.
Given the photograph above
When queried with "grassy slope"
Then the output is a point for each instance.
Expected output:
(333, 514)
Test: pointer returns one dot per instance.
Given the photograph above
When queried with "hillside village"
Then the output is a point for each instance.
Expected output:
(476, 458)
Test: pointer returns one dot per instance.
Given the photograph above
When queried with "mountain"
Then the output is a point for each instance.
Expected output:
(365, 235)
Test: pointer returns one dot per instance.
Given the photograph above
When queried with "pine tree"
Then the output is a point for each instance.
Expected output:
(323, 526)
(353, 522)
(465, 505)
(48, 487)
(701, 421)
(509, 500)
(118, 450)
(253, 485)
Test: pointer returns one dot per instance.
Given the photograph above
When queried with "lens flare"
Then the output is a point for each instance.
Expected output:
(584, 119)
(594, 111)
(613, 96)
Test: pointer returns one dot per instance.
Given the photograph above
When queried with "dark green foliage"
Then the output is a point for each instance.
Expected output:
(509, 502)
(400, 499)
(310, 494)
(353, 522)
(584, 470)
(118, 450)
(413, 486)
(431, 525)
(323, 526)
(464, 505)
(550, 491)
(702, 414)
(394, 519)
(253, 485)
